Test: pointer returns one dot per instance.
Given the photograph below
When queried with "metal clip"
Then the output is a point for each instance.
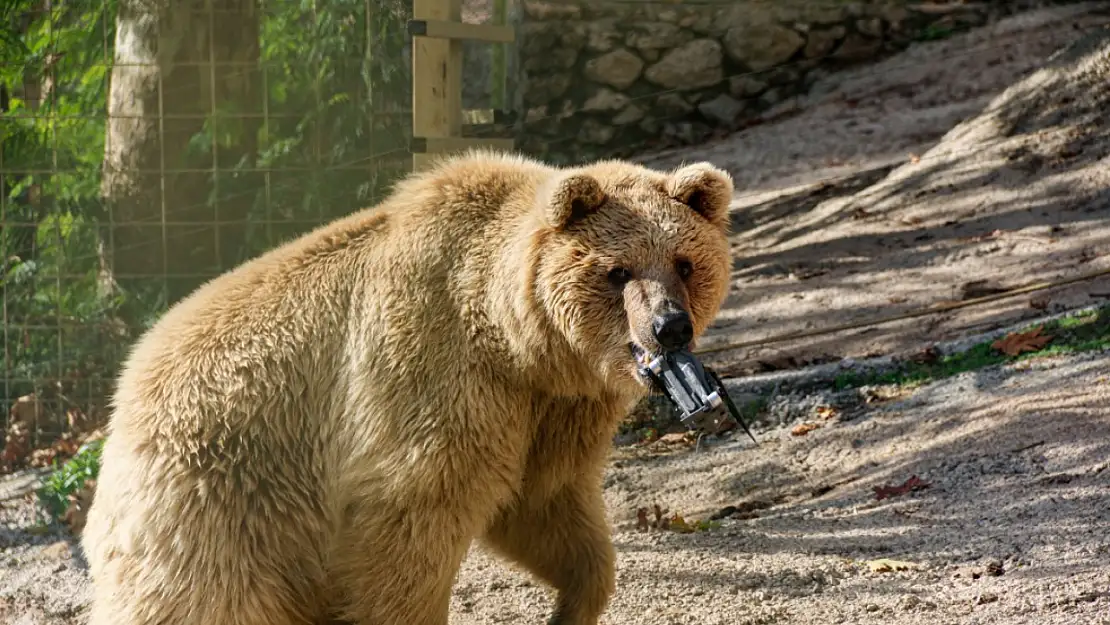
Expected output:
(696, 391)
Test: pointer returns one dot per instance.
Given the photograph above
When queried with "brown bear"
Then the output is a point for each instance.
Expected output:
(319, 434)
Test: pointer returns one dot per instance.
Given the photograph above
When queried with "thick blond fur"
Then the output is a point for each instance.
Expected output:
(322, 432)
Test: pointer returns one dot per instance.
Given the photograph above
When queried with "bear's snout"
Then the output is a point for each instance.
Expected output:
(672, 328)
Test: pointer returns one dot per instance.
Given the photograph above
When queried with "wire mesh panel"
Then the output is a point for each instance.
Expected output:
(147, 147)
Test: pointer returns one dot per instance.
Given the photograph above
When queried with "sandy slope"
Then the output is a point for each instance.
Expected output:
(870, 202)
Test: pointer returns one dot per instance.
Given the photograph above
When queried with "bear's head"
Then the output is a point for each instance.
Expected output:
(633, 262)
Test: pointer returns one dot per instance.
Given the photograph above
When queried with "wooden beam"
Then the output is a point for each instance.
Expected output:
(456, 30)
(441, 145)
(436, 78)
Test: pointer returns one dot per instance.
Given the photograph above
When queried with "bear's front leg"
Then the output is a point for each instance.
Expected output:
(395, 565)
(563, 540)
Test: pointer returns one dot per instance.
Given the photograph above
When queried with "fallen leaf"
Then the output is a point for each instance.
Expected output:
(827, 412)
(1040, 302)
(675, 438)
(1019, 342)
(678, 524)
(886, 565)
(910, 485)
(804, 428)
(78, 510)
(927, 356)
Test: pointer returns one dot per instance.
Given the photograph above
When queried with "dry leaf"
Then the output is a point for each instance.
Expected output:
(886, 565)
(804, 428)
(1019, 342)
(927, 356)
(678, 524)
(675, 438)
(910, 485)
(79, 502)
(827, 412)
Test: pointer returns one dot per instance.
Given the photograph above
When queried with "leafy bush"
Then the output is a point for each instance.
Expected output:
(338, 93)
(70, 477)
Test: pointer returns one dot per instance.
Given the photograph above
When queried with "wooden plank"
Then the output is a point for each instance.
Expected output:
(456, 30)
(500, 56)
(441, 145)
(436, 78)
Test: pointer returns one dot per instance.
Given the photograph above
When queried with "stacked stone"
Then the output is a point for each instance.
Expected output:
(608, 78)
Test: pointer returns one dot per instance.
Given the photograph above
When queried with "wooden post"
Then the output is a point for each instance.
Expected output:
(436, 78)
(437, 115)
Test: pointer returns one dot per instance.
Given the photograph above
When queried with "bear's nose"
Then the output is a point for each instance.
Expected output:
(673, 330)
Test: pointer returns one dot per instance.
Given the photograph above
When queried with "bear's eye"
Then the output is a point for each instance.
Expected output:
(619, 276)
(684, 268)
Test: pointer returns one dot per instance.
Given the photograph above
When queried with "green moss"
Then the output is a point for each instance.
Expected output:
(1085, 332)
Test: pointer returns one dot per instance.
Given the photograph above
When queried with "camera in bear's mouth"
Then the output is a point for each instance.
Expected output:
(697, 392)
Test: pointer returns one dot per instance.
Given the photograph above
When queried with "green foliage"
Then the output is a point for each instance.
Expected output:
(337, 98)
(52, 147)
(338, 103)
(68, 478)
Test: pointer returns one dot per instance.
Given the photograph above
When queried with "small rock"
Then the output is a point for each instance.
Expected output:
(909, 602)
(686, 133)
(593, 131)
(872, 27)
(656, 36)
(995, 569)
(535, 114)
(630, 115)
(856, 47)
(822, 42)
(606, 100)
(746, 86)
(694, 65)
(545, 88)
(619, 68)
(673, 105)
(601, 35)
(762, 46)
(558, 58)
(986, 597)
(723, 110)
(542, 11)
(895, 15)
(57, 551)
(871, 607)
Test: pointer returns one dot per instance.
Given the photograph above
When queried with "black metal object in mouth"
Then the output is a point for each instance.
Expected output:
(697, 391)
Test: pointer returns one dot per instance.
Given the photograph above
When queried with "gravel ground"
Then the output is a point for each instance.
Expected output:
(1013, 527)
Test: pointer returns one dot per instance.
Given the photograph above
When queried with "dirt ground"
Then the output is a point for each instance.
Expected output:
(889, 191)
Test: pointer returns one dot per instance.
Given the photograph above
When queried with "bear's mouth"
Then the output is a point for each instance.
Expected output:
(642, 358)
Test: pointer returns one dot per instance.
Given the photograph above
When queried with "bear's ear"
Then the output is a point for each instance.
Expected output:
(571, 198)
(704, 188)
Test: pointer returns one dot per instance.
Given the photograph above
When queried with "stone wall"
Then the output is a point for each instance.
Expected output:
(609, 77)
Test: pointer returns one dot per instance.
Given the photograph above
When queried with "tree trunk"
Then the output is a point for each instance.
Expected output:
(185, 72)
